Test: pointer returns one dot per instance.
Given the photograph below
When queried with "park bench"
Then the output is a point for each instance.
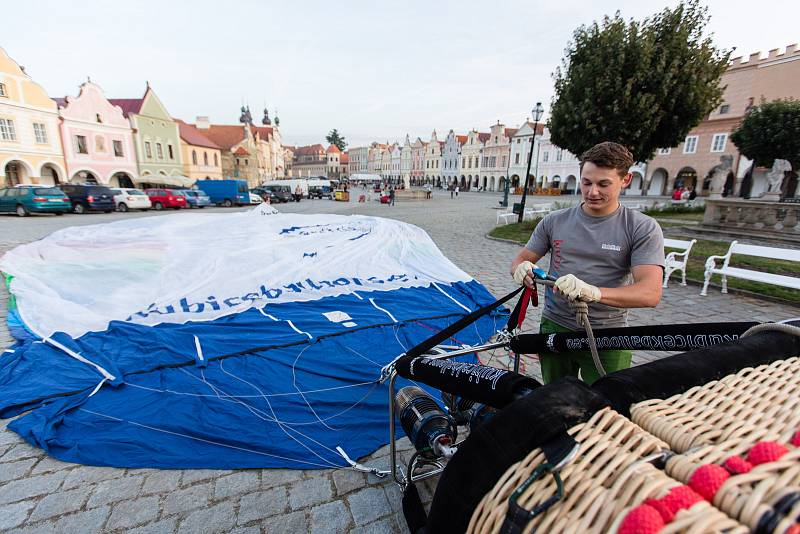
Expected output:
(532, 212)
(677, 260)
(748, 274)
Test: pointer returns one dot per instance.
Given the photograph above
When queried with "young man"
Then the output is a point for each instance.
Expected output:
(600, 252)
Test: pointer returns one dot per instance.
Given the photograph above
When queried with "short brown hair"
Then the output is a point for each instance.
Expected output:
(609, 155)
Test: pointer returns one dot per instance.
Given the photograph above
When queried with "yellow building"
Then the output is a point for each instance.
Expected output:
(202, 158)
(30, 142)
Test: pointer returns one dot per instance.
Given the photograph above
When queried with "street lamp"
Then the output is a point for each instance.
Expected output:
(537, 113)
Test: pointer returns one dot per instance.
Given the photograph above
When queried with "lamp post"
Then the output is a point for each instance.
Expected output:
(537, 113)
(506, 186)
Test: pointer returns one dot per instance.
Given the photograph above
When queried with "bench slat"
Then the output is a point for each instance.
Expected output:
(756, 276)
(676, 243)
(766, 252)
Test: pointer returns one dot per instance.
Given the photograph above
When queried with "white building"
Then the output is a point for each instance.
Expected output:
(397, 155)
(451, 158)
(520, 151)
(405, 162)
(358, 160)
(433, 160)
(471, 152)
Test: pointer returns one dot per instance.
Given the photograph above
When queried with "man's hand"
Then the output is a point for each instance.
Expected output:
(522, 274)
(574, 288)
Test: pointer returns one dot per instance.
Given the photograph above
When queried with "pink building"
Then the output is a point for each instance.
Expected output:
(97, 139)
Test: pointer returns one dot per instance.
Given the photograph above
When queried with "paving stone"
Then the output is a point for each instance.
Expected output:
(368, 505)
(26, 488)
(83, 475)
(188, 499)
(294, 523)
(60, 503)
(347, 480)
(110, 491)
(331, 517)
(236, 484)
(219, 518)
(191, 476)
(278, 477)
(161, 481)
(384, 526)
(166, 526)
(246, 530)
(48, 464)
(394, 496)
(15, 470)
(310, 492)
(262, 504)
(132, 513)
(13, 515)
(45, 527)
(21, 451)
(7, 437)
(83, 522)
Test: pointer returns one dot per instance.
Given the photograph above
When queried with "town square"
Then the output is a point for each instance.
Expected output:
(568, 305)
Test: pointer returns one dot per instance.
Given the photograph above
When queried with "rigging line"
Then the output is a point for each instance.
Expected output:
(372, 301)
(294, 383)
(179, 434)
(253, 410)
(285, 428)
(434, 284)
(287, 394)
(362, 356)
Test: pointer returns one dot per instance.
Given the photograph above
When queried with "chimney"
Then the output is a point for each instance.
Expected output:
(202, 122)
(754, 57)
(773, 53)
(791, 48)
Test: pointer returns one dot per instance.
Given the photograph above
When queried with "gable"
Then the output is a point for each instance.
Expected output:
(152, 107)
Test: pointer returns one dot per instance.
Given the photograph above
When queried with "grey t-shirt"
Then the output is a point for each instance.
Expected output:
(599, 251)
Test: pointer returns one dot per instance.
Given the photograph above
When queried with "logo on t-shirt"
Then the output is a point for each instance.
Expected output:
(606, 246)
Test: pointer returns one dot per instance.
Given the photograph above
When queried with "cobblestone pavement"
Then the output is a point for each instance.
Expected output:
(43, 495)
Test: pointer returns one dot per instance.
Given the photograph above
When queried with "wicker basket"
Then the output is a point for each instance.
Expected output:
(608, 476)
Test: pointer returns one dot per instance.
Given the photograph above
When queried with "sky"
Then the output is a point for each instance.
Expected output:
(376, 71)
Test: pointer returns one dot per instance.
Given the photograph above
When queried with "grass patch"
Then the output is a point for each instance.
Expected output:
(697, 259)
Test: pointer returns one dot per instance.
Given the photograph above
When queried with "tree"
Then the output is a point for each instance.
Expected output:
(334, 138)
(642, 84)
(771, 131)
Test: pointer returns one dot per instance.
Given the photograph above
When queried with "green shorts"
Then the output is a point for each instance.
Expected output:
(555, 366)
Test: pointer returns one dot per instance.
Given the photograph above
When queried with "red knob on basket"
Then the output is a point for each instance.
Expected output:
(679, 498)
(796, 439)
(737, 465)
(766, 451)
(643, 519)
(707, 479)
(794, 529)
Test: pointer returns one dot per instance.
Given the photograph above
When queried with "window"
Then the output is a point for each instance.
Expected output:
(718, 142)
(724, 108)
(3, 90)
(148, 151)
(7, 131)
(516, 157)
(194, 157)
(40, 132)
(504, 161)
(690, 144)
(80, 144)
(559, 155)
(171, 153)
(545, 156)
(237, 161)
(118, 149)
(99, 144)
(159, 151)
(246, 162)
(205, 159)
(97, 116)
(215, 160)
(664, 151)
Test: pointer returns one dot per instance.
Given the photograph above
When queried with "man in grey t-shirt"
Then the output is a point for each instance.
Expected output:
(600, 252)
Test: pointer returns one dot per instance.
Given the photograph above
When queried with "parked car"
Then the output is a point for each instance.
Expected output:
(196, 198)
(225, 192)
(320, 192)
(131, 199)
(281, 193)
(89, 197)
(255, 199)
(166, 198)
(265, 194)
(33, 199)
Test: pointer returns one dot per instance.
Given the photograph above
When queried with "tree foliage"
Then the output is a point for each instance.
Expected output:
(771, 131)
(334, 138)
(642, 84)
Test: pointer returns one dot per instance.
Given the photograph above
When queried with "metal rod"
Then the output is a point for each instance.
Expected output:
(392, 446)
(470, 350)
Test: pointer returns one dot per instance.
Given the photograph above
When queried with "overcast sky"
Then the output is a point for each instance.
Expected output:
(374, 70)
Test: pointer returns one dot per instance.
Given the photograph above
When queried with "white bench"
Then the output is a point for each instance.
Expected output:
(537, 211)
(505, 215)
(677, 260)
(746, 274)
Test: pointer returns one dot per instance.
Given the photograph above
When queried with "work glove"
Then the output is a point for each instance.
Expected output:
(574, 288)
(523, 269)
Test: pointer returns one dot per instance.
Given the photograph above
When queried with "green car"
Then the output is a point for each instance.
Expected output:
(24, 200)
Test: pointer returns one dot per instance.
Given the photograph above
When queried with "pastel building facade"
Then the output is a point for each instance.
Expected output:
(451, 158)
(471, 152)
(405, 162)
(495, 158)
(397, 158)
(30, 143)
(418, 162)
(433, 160)
(202, 158)
(358, 160)
(97, 139)
(520, 152)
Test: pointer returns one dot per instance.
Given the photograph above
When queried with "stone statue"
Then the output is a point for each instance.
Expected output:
(775, 176)
(719, 174)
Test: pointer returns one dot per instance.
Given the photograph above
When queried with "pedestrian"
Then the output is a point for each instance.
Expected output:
(452, 190)
(391, 196)
(456, 191)
(602, 253)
